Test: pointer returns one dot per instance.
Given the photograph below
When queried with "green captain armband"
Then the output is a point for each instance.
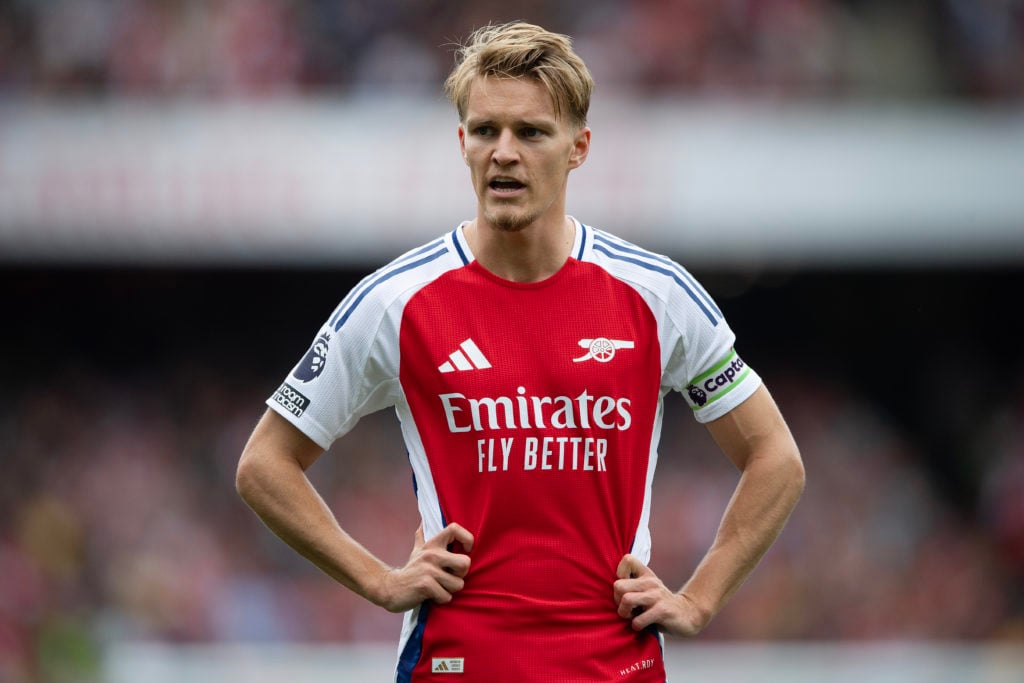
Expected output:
(722, 378)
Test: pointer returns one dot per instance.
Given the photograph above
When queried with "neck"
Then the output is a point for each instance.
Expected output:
(532, 254)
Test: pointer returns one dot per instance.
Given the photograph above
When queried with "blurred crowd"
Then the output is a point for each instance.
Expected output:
(118, 516)
(119, 520)
(959, 49)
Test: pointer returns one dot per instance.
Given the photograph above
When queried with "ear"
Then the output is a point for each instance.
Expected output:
(580, 148)
(462, 143)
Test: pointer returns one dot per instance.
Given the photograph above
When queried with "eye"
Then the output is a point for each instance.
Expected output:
(483, 130)
(531, 132)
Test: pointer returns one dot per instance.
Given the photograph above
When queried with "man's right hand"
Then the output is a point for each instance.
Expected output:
(433, 572)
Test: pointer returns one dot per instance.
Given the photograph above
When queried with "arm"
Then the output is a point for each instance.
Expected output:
(755, 438)
(271, 478)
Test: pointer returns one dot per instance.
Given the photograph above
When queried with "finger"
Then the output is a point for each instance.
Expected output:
(456, 533)
(453, 533)
(437, 593)
(631, 567)
(626, 596)
(457, 564)
(626, 606)
(419, 540)
(642, 618)
(622, 588)
(444, 586)
(642, 614)
(450, 582)
(626, 583)
(442, 598)
(623, 571)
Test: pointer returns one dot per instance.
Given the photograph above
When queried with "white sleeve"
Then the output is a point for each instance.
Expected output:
(700, 360)
(350, 370)
(697, 354)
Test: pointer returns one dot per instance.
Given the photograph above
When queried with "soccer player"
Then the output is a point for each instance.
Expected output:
(527, 356)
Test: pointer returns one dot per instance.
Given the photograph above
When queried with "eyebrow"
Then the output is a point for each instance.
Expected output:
(517, 123)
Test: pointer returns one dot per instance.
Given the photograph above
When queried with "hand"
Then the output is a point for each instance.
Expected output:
(432, 573)
(642, 598)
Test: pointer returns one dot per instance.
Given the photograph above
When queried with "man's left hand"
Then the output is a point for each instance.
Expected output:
(642, 598)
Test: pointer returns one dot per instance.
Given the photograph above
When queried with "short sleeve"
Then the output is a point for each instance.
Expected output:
(703, 363)
(350, 370)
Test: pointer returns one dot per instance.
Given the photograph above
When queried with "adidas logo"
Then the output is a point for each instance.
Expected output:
(467, 357)
(447, 665)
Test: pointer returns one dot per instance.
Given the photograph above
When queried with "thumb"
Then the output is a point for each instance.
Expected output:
(631, 567)
(419, 541)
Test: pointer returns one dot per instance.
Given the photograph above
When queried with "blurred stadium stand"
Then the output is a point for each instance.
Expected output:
(188, 188)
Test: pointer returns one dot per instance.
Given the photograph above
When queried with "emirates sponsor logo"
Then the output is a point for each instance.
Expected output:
(523, 411)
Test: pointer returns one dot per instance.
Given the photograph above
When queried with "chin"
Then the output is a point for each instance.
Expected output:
(509, 221)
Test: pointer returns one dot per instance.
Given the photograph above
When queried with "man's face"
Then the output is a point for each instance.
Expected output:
(518, 151)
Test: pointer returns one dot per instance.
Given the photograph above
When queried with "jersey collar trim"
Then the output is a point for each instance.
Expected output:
(579, 246)
(461, 245)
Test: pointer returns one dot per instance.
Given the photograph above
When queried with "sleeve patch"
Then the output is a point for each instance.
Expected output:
(722, 378)
(291, 400)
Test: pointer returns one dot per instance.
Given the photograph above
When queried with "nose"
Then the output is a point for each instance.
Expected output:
(506, 150)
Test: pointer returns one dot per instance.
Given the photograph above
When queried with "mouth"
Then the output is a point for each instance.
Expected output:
(505, 186)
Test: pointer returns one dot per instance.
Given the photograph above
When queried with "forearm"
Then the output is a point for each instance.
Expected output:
(762, 502)
(278, 490)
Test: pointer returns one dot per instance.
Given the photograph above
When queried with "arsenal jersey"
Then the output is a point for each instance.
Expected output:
(531, 414)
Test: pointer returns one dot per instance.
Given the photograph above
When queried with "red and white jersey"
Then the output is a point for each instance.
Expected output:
(531, 413)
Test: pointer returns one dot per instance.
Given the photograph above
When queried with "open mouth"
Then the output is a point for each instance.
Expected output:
(505, 185)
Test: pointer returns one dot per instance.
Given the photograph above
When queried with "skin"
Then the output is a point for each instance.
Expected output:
(521, 233)
(511, 131)
(271, 478)
(755, 438)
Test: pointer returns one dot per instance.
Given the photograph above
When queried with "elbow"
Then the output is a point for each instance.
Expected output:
(796, 474)
(246, 477)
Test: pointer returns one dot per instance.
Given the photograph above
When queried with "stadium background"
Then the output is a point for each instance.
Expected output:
(140, 337)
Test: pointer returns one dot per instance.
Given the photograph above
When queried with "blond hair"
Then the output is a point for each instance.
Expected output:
(520, 50)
